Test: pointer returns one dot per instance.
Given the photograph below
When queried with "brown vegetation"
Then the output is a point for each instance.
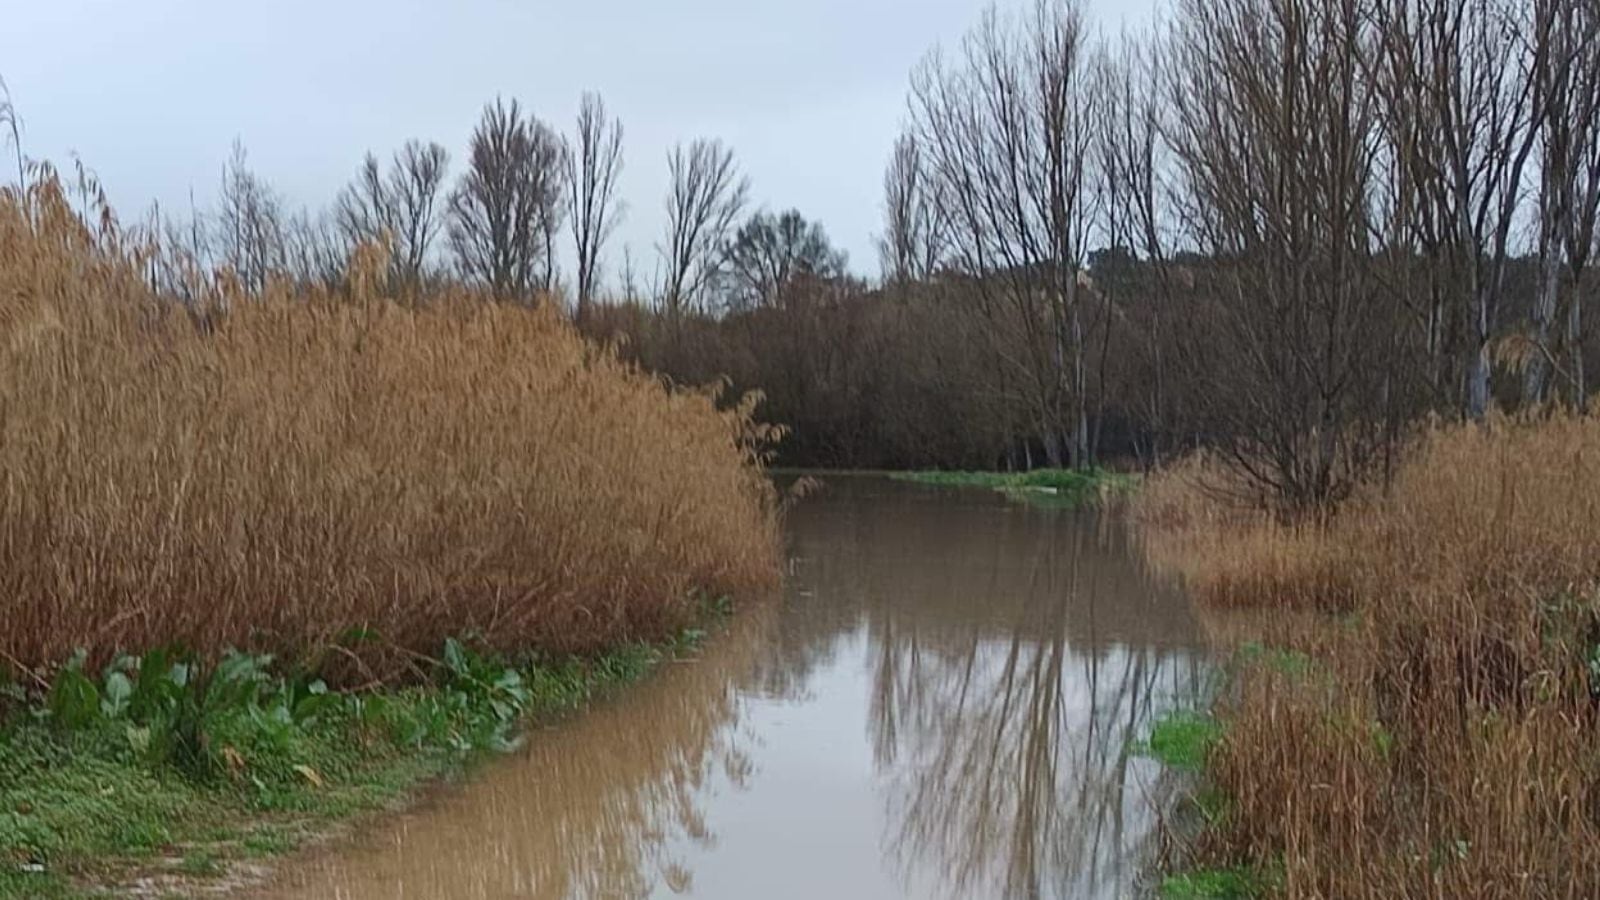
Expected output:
(1437, 739)
(295, 469)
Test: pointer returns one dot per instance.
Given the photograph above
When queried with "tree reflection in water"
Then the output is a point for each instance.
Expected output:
(595, 807)
(1002, 657)
(1012, 667)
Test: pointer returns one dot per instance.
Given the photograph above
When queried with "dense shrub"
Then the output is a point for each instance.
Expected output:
(300, 469)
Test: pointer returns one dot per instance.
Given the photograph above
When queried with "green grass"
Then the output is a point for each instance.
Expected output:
(129, 776)
(1239, 883)
(40, 886)
(1182, 740)
(1055, 487)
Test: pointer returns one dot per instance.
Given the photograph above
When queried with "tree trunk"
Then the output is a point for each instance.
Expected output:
(1478, 365)
(1535, 377)
(1478, 383)
(1050, 435)
(1580, 391)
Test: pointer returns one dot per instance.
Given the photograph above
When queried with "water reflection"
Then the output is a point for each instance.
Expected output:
(1015, 655)
(940, 707)
(589, 809)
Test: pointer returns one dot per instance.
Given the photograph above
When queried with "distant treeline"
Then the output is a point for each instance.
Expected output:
(1317, 222)
(904, 377)
(1327, 220)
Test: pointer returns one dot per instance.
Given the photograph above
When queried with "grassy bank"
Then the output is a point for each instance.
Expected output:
(1067, 487)
(1411, 710)
(162, 776)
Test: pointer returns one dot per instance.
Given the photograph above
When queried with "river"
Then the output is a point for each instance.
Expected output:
(939, 705)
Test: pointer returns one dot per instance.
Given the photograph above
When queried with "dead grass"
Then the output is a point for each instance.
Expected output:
(1234, 555)
(299, 471)
(1442, 741)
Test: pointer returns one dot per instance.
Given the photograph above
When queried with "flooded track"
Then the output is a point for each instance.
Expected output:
(940, 705)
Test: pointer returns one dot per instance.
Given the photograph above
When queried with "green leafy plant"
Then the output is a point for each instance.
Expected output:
(74, 701)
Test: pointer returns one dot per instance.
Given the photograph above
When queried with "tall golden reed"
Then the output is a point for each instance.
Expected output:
(296, 471)
(1444, 738)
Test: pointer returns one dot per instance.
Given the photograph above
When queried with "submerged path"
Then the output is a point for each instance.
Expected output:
(939, 706)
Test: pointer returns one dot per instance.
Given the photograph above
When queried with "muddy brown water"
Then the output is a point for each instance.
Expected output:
(939, 706)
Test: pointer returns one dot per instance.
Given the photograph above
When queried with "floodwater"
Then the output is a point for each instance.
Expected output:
(939, 706)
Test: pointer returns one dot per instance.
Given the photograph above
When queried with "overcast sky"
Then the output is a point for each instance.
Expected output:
(152, 94)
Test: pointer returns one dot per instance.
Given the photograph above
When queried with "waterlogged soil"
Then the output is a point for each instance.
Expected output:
(940, 705)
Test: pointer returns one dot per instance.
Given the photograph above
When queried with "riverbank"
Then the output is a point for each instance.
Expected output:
(161, 778)
(1409, 709)
(1067, 487)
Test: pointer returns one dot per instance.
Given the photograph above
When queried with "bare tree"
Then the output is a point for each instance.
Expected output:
(1581, 133)
(704, 200)
(415, 185)
(362, 208)
(1278, 163)
(1006, 135)
(508, 204)
(314, 252)
(594, 162)
(249, 224)
(1462, 101)
(1568, 79)
(1133, 162)
(628, 277)
(770, 253)
(401, 207)
(915, 230)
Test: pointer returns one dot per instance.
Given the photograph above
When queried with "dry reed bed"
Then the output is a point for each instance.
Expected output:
(1443, 740)
(298, 471)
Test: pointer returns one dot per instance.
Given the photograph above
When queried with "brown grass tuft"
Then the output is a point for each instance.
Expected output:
(1233, 555)
(272, 472)
(1438, 738)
